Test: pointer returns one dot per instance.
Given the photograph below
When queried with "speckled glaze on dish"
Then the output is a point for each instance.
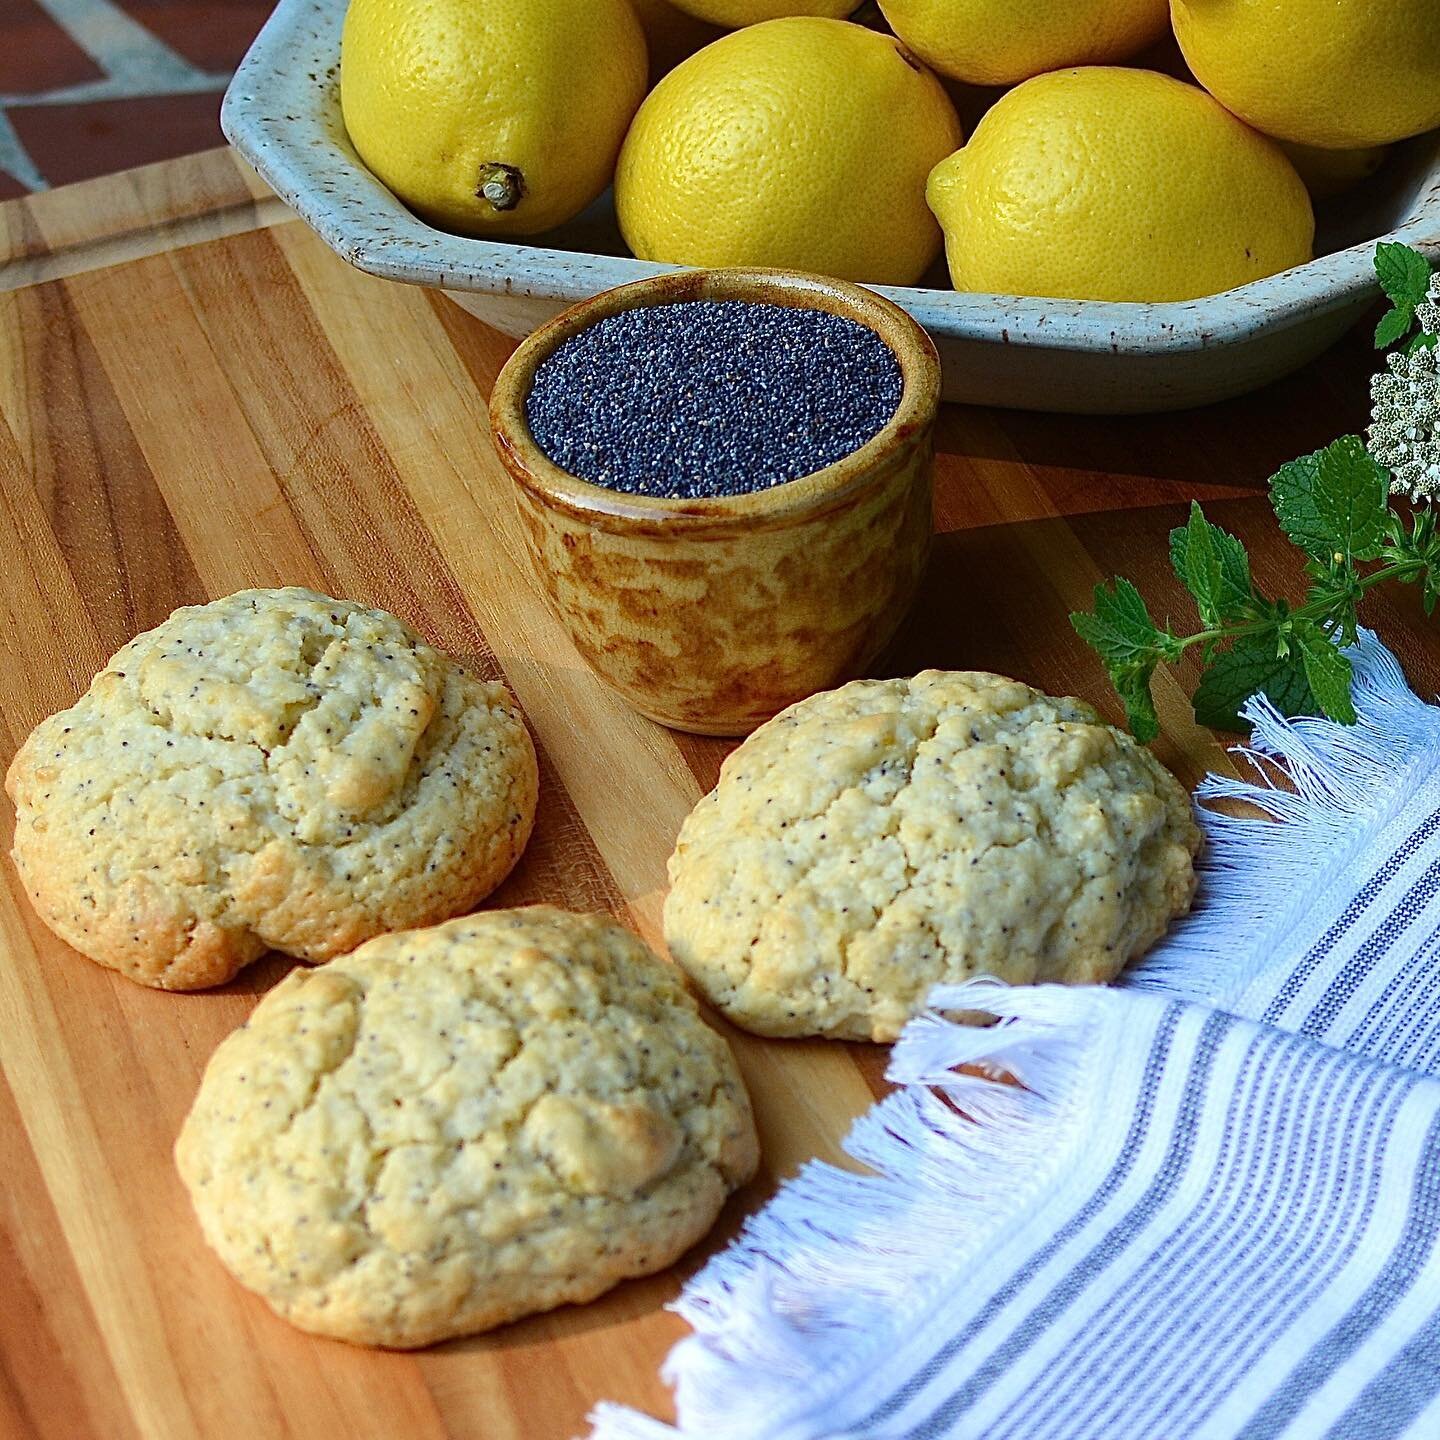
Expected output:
(710, 615)
(282, 112)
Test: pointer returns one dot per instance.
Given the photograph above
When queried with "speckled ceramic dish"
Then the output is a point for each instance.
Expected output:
(282, 112)
(710, 615)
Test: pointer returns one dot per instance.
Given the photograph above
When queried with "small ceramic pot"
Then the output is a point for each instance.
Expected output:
(711, 615)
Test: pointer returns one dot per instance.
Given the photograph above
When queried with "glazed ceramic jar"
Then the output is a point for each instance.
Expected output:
(710, 615)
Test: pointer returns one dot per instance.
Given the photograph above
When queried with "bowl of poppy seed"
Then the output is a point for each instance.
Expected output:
(724, 478)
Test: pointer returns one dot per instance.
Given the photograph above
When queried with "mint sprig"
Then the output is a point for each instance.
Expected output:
(1335, 508)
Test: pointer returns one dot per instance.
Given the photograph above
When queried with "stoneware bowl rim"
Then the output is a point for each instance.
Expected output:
(919, 400)
(282, 112)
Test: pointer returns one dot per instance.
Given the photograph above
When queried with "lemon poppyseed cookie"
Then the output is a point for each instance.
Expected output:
(275, 770)
(450, 1128)
(878, 839)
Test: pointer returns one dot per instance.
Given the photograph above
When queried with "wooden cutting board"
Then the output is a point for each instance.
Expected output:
(196, 396)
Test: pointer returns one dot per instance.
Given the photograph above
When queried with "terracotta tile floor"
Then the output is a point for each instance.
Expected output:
(91, 86)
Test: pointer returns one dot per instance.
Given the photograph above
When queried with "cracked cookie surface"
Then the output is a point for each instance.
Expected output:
(274, 770)
(875, 840)
(450, 1128)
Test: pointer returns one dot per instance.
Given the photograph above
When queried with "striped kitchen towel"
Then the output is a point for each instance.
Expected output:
(1211, 1208)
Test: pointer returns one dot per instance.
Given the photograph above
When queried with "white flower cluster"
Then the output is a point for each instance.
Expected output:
(1404, 433)
(1428, 311)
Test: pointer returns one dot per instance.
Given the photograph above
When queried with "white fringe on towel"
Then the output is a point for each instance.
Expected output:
(1334, 787)
(840, 1267)
(839, 1263)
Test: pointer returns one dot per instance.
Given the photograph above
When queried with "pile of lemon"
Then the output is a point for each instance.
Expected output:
(803, 139)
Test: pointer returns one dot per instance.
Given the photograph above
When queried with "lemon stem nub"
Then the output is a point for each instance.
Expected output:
(501, 185)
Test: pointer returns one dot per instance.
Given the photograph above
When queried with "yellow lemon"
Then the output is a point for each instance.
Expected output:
(671, 34)
(1109, 184)
(491, 117)
(1330, 172)
(802, 143)
(734, 13)
(997, 42)
(1340, 74)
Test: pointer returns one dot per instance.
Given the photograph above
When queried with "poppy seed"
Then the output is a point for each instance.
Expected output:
(702, 398)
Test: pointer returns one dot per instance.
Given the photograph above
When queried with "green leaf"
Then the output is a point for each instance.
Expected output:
(1133, 687)
(1415, 544)
(1202, 567)
(1423, 341)
(1120, 629)
(1214, 567)
(1292, 495)
(1352, 497)
(1333, 502)
(1122, 633)
(1327, 671)
(1251, 667)
(1393, 325)
(1404, 273)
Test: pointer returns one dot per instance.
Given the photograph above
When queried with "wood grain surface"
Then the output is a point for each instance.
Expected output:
(195, 396)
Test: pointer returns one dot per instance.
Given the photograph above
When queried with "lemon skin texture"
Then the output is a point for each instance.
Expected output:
(1339, 74)
(1000, 42)
(491, 117)
(801, 143)
(733, 14)
(1112, 184)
